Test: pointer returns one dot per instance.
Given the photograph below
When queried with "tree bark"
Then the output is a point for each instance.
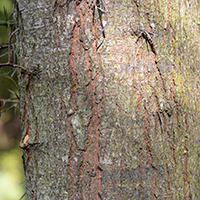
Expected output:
(109, 98)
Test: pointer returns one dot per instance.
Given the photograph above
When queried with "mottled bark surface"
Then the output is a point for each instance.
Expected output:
(112, 108)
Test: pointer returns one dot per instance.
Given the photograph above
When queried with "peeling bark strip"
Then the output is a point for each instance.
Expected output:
(114, 113)
(87, 110)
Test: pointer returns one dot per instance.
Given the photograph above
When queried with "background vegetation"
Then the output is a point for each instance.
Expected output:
(11, 169)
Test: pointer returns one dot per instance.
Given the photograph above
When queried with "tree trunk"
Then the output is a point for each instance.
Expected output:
(109, 100)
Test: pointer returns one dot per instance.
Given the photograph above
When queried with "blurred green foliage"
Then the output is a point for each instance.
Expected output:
(11, 175)
(4, 5)
(11, 166)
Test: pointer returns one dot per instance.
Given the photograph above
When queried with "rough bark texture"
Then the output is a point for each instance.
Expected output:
(110, 111)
